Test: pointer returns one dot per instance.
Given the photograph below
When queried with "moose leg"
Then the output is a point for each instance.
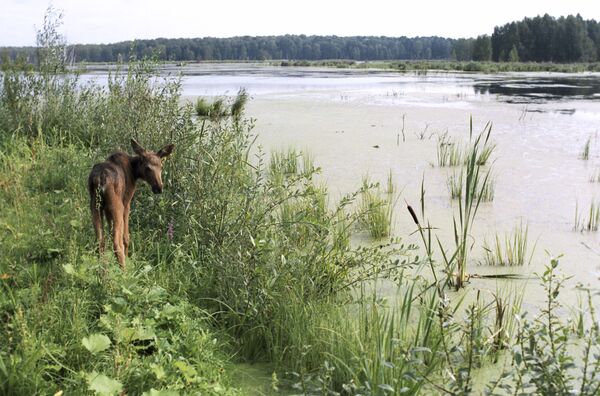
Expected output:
(99, 228)
(96, 208)
(126, 229)
(115, 214)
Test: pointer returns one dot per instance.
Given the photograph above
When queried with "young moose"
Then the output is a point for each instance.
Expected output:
(111, 185)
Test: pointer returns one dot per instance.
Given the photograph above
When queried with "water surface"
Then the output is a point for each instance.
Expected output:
(351, 120)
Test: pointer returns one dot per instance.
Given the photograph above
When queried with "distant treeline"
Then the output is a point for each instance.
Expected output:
(540, 39)
(547, 39)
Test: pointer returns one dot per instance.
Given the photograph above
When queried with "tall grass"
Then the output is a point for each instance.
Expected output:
(456, 186)
(239, 259)
(472, 187)
(595, 177)
(221, 107)
(589, 220)
(377, 207)
(512, 251)
(585, 152)
(449, 152)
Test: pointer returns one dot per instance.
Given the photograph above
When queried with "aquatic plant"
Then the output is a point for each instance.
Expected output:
(589, 223)
(456, 186)
(595, 176)
(221, 107)
(454, 183)
(449, 152)
(377, 207)
(512, 251)
(545, 354)
(239, 104)
(202, 107)
(585, 152)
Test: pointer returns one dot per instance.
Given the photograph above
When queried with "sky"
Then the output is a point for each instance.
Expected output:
(110, 21)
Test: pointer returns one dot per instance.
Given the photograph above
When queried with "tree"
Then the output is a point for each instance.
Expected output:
(52, 54)
(482, 48)
(513, 55)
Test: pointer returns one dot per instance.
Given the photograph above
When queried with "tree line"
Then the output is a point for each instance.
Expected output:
(540, 39)
(547, 39)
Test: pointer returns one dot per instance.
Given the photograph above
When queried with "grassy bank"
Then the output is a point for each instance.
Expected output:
(447, 65)
(240, 260)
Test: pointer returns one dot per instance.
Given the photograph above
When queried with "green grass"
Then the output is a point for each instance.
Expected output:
(449, 152)
(456, 186)
(377, 207)
(240, 259)
(513, 250)
(589, 220)
(222, 107)
(448, 65)
(585, 152)
(595, 177)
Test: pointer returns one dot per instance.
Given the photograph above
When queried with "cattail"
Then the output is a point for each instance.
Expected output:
(413, 214)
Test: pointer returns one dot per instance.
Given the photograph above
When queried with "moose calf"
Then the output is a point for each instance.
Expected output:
(111, 185)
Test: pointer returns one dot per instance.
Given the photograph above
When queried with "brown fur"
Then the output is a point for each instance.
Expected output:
(111, 185)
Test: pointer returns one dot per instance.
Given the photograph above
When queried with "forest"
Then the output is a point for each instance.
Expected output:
(539, 39)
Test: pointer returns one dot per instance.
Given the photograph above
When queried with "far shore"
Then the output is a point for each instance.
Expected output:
(421, 66)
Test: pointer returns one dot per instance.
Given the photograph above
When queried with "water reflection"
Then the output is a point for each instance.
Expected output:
(258, 79)
(535, 89)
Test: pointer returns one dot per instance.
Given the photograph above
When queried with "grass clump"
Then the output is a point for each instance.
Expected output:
(377, 207)
(589, 222)
(595, 177)
(512, 251)
(221, 108)
(585, 152)
(456, 186)
(449, 152)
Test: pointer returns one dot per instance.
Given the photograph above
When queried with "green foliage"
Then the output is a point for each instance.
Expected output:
(547, 359)
(96, 343)
(589, 223)
(239, 104)
(449, 152)
(482, 48)
(220, 108)
(102, 385)
(585, 152)
(376, 208)
(239, 258)
(512, 251)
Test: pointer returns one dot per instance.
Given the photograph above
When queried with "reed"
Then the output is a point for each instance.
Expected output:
(449, 152)
(585, 152)
(473, 193)
(512, 250)
(284, 162)
(590, 221)
(239, 104)
(595, 176)
(456, 186)
(485, 154)
(377, 207)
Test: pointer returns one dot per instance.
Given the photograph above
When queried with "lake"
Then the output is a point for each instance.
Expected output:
(351, 121)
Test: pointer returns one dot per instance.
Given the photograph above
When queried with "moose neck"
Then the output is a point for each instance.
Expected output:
(135, 163)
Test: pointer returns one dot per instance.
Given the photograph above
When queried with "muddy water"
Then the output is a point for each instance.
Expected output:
(352, 121)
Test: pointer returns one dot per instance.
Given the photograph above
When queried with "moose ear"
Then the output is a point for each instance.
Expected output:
(137, 148)
(166, 151)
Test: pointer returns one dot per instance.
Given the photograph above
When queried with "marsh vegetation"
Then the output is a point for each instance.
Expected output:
(246, 257)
